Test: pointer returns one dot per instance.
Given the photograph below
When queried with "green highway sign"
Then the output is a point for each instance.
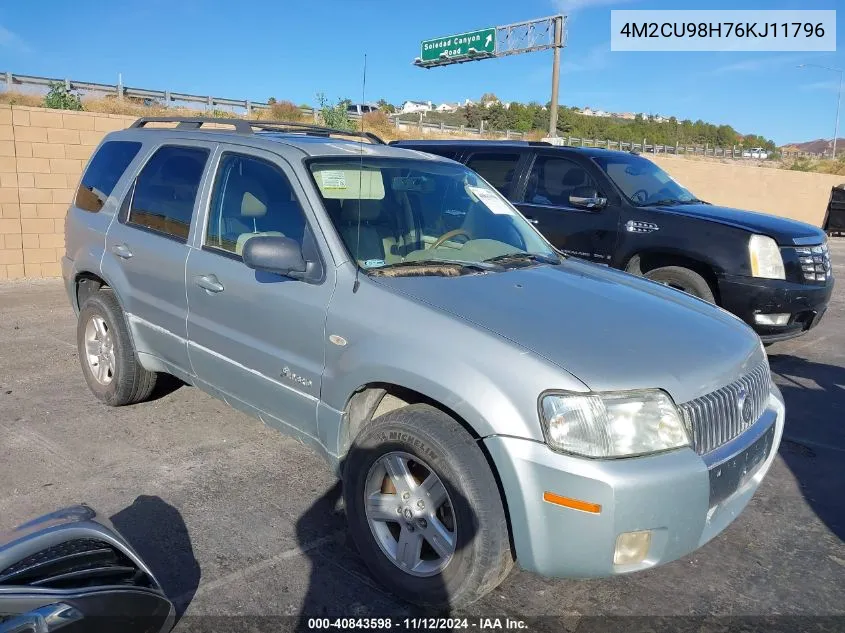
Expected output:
(452, 46)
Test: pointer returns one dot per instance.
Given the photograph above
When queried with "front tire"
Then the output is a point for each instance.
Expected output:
(424, 509)
(683, 279)
(107, 355)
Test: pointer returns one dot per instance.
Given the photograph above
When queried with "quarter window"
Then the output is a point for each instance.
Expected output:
(497, 169)
(553, 180)
(251, 197)
(166, 189)
(105, 169)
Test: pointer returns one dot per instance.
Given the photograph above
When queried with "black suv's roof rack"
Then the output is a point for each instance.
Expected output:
(248, 126)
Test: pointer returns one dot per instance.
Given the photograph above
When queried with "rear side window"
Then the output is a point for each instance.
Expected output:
(103, 172)
(497, 169)
(165, 190)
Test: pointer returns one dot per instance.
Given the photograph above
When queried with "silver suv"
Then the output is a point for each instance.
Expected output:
(484, 398)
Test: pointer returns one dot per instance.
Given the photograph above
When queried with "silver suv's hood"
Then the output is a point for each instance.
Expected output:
(612, 330)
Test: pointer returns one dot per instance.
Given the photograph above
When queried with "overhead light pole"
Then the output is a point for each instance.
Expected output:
(838, 100)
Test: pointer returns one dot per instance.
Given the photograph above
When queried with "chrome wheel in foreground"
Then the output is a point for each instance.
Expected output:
(410, 514)
(99, 350)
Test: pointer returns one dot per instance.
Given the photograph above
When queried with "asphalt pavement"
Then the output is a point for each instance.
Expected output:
(238, 520)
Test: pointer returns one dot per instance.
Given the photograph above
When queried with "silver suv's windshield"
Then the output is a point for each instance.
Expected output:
(405, 213)
(643, 182)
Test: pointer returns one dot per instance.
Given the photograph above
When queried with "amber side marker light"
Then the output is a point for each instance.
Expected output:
(575, 504)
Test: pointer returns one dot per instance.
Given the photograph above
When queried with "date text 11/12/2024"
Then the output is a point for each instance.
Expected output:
(418, 624)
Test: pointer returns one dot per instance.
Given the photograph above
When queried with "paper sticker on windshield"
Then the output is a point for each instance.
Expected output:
(491, 201)
(373, 263)
(333, 179)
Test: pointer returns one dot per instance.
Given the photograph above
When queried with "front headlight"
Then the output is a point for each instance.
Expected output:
(764, 254)
(612, 424)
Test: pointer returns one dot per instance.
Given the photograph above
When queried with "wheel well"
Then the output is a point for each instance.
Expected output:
(641, 263)
(86, 285)
(375, 399)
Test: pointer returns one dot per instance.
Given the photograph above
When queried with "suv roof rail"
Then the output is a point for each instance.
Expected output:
(248, 126)
(468, 141)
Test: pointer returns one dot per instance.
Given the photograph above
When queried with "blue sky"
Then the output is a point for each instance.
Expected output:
(292, 50)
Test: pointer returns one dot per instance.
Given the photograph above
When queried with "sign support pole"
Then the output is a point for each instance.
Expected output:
(558, 40)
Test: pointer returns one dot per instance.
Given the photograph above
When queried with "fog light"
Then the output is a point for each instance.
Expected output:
(771, 319)
(632, 547)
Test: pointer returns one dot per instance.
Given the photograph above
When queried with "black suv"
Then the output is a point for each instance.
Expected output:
(621, 210)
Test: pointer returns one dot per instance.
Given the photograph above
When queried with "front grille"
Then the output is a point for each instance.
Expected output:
(721, 415)
(814, 262)
(75, 564)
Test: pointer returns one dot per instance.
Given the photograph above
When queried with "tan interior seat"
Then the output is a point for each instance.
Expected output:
(251, 209)
(374, 237)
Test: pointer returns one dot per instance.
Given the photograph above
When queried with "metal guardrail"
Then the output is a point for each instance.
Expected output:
(167, 97)
(120, 90)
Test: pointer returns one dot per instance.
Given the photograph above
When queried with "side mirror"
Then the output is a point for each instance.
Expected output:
(275, 254)
(67, 570)
(587, 198)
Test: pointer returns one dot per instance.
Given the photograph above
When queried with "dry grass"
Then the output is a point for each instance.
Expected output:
(821, 166)
(11, 97)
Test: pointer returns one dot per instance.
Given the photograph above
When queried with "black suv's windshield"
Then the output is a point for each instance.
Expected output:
(643, 182)
(396, 212)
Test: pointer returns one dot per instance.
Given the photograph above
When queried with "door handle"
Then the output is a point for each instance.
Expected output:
(122, 251)
(209, 283)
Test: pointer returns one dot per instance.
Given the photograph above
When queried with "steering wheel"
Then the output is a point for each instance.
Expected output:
(447, 236)
(640, 195)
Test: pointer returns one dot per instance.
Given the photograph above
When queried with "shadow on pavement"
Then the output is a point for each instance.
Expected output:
(165, 385)
(155, 529)
(814, 438)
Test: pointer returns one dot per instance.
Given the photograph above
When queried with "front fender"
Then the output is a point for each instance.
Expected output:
(493, 384)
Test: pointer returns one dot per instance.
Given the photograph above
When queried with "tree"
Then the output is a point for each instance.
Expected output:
(489, 97)
(385, 106)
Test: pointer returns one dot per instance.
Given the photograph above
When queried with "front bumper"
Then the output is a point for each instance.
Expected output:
(685, 499)
(747, 296)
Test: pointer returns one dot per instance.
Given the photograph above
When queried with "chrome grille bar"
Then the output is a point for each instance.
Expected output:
(719, 416)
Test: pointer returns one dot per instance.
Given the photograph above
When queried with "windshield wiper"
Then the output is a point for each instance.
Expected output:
(663, 202)
(671, 202)
(532, 257)
(418, 263)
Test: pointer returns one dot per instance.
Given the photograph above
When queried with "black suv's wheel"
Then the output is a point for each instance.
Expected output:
(424, 509)
(683, 279)
(106, 354)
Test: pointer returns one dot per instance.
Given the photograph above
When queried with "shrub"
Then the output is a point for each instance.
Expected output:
(60, 98)
(334, 116)
(801, 164)
(379, 123)
(285, 111)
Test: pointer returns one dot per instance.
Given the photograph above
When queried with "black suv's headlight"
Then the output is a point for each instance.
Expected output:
(765, 257)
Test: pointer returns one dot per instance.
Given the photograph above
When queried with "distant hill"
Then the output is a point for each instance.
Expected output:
(816, 147)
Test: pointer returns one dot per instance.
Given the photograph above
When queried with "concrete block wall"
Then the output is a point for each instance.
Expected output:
(42, 154)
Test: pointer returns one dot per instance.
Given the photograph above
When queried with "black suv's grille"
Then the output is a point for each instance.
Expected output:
(814, 262)
(75, 564)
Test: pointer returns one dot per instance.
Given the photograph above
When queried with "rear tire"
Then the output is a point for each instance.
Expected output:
(106, 353)
(683, 279)
(472, 513)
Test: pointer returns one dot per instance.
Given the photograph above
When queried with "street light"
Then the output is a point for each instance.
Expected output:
(838, 100)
